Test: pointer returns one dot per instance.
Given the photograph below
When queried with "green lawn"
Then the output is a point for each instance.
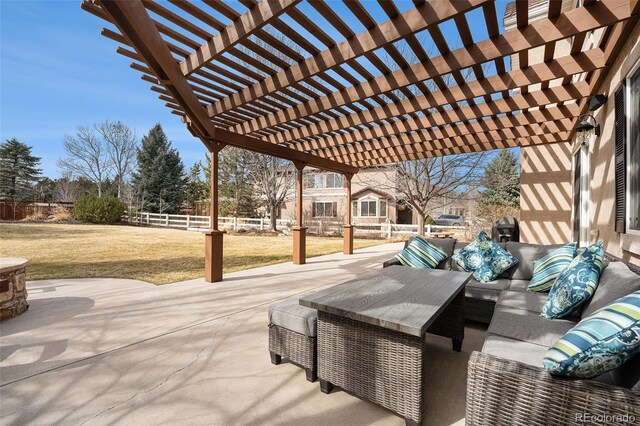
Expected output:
(156, 255)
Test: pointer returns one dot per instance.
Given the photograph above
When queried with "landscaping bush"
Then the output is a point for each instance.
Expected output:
(98, 209)
(429, 220)
(61, 214)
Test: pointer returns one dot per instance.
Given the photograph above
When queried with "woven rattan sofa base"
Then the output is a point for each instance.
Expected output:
(374, 363)
(296, 347)
(479, 310)
(505, 392)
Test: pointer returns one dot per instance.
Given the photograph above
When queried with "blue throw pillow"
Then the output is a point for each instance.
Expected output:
(421, 254)
(576, 284)
(547, 268)
(601, 342)
(484, 258)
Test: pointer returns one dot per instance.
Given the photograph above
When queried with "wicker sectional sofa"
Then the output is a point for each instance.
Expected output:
(506, 383)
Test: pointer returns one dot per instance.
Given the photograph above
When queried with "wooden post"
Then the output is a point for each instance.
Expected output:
(348, 227)
(213, 237)
(299, 231)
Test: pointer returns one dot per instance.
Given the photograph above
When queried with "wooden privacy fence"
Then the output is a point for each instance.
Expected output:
(315, 226)
(28, 208)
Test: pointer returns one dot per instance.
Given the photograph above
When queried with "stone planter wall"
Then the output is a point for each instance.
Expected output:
(13, 287)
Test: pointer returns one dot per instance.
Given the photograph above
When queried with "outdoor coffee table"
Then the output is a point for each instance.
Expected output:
(371, 333)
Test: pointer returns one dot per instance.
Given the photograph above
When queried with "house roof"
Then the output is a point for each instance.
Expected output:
(247, 75)
(369, 189)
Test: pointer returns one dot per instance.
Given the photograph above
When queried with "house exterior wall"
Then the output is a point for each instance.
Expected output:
(602, 158)
(378, 179)
(547, 171)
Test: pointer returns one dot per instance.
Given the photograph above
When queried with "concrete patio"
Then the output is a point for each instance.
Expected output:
(105, 351)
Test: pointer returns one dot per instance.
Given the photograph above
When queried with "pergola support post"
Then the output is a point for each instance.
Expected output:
(213, 237)
(299, 231)
(348, 226)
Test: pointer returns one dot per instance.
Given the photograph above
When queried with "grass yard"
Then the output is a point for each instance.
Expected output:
(155, 255)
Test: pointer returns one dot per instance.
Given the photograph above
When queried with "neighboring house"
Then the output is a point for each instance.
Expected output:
(588, 189)
(374, 199)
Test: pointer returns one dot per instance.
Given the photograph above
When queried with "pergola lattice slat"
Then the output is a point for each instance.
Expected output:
(276, 106)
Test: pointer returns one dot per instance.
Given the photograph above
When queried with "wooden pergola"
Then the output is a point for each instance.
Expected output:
(292, 79)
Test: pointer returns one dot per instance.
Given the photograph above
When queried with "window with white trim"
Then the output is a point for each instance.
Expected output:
(369, 207)
(323, 180)
(324, 209)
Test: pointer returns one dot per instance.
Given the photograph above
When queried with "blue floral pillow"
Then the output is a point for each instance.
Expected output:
(601, 342)
(576, 284)
(484, 259)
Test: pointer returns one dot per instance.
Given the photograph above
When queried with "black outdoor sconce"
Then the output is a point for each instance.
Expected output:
(585, 126)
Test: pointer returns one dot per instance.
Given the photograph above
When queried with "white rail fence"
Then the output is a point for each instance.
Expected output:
(385, 229)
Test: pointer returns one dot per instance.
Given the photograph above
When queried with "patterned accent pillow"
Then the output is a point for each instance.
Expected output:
(576, 284)
(547, 268)
(421, 254)
(484, 259)
(601, 342)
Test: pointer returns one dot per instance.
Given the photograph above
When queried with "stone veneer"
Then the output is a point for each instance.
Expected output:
(13, 287)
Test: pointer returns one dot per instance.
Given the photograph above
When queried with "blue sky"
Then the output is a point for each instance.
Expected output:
(57, 72)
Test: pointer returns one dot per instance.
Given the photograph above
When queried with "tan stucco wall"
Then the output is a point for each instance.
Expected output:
(601, 158)
(545, 194)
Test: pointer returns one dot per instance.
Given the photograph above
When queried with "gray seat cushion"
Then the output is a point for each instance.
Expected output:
(616, 281)
(526, 255)
(528, 326)
(290, 315)
(528, 300)
(515, 350)
(520, 285)
(486, 291)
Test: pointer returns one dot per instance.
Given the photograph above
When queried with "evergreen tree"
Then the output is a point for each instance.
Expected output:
(238, 196)
(159, 181)
(502, 181)
(19, 172)
(195, 189)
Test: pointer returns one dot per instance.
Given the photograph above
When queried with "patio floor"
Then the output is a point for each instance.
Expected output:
(104, 351)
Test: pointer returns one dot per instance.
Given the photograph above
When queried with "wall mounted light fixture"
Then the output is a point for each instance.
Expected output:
(586, 126)
(597, 101)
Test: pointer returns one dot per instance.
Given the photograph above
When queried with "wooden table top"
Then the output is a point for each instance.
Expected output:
(397, 298)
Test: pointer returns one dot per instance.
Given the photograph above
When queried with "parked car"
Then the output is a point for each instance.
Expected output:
(449, 220)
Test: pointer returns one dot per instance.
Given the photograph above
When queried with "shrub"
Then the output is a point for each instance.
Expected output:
(35, 217)
(429, 220)
(61, 214)
(98, 210)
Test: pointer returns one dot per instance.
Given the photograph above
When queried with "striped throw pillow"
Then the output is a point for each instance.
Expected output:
(599, 343)
(576, 284)
(547, 268)
(421, 254)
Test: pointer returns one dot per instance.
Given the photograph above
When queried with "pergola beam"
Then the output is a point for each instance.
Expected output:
(136, 26)
(421, 143)
(422, 103)
(527, 123)
(538, 33)
(414, 20)
(542, 72)
(391, 157)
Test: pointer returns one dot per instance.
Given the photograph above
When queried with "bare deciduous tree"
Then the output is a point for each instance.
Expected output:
(66, 189)
(275, 178)
(121, 144)
(86, 156)
(447, 179)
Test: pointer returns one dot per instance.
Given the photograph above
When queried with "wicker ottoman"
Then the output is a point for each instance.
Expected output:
(292, 335)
